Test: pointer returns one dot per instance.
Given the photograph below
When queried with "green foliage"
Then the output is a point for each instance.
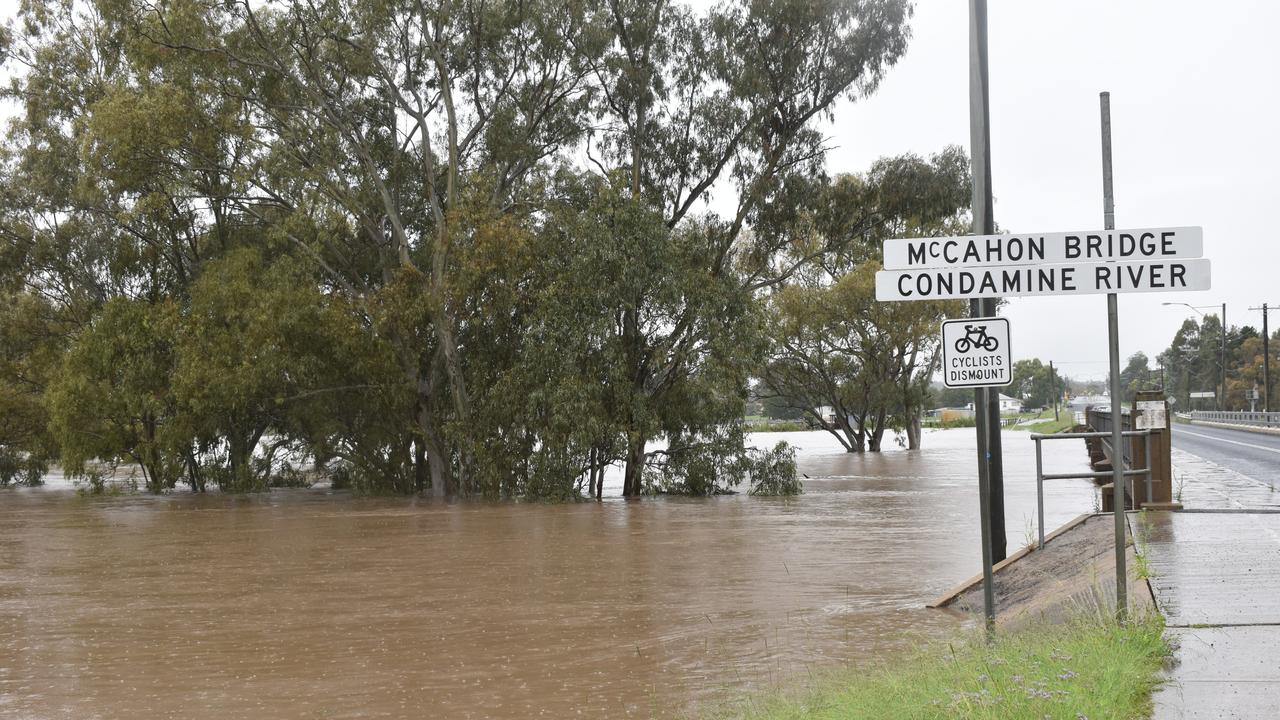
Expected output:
(1035, 383)
(29, 352)
(1137, 375)
(773, 472)
(20, 468)
(833, 345)
(945, 397)
(1194, 360)
(461, 249)
(112, 401)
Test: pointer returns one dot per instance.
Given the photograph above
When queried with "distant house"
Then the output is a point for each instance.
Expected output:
(1007, 404)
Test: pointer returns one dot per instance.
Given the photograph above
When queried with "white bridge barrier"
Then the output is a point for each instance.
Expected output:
(1260, 419)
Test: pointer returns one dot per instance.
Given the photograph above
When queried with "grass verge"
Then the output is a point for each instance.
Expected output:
(1051, 426)
(1090, 669)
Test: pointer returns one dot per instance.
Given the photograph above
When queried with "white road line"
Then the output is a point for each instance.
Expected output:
(1233, 442)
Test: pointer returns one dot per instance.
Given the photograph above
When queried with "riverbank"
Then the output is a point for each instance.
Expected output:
(1090, 667)
(1057, 651)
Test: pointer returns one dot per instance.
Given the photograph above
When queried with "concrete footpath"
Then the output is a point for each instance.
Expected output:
(1215, 574)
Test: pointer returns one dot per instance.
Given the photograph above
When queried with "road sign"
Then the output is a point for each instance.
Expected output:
(1060, 279)
(975, 353)
(1207, 394)
(1045, 248)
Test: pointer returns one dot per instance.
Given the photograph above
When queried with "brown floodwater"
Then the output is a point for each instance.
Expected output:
(309, 604)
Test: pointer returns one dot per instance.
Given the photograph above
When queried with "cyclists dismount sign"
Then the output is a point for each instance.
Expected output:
(975, 353)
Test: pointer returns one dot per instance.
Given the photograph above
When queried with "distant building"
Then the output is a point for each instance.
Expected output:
(1007, 404)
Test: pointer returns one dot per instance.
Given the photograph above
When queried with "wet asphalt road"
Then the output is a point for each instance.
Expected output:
(1256, 455)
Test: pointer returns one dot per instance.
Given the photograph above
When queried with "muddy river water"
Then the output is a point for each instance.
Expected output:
(307, 604)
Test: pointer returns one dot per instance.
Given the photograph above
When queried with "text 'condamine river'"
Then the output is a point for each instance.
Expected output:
(1059, 279)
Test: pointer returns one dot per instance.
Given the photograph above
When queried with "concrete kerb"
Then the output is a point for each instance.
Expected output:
(948, 597)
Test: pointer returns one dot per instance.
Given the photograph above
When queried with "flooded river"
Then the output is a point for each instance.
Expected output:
(306, 604)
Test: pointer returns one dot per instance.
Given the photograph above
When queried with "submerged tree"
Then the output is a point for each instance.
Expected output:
(462, 247)
(834, 346)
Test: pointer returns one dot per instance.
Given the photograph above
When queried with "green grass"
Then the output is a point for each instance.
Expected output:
(1050, 426)
(953, 423)
(1090, 668)
(1142, 566)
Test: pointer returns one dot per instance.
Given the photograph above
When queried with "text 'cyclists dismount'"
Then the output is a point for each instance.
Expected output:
(975, 353)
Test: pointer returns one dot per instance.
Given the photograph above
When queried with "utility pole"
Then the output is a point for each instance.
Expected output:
(1053, 377)
(984, 224)
(1113, 335)
(1222, 359)
(1266, 360)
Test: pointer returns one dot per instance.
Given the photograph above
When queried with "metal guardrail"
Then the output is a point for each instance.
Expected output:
(1041, 476)
(1259, 419)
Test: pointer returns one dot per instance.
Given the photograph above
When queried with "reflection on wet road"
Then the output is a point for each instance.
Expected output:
(303, 604)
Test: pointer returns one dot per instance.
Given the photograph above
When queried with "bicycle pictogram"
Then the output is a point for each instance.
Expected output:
(975, 336)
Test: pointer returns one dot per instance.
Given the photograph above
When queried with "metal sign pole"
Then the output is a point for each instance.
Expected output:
(1113, 338)
(984, 224)
(984, 498)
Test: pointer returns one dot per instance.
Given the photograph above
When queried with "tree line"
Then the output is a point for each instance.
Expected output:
(1196, 358)
(465, 248)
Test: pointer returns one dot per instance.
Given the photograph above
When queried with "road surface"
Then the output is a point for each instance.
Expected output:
(1256, 455)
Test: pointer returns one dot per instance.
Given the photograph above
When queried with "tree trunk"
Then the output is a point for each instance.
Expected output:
(853, 437)
(877, 435)
(420, 472)
(432, 440)
(633, 475)
(437, 463)
(913, 431)
(595, 473)
(194, 476)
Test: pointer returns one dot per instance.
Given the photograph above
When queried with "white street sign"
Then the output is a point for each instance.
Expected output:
(1206, 394)
(1063, 279)
(1045, 248)
(975, 353)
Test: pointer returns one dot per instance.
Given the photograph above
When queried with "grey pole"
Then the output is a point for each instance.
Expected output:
(1266, 362)
(1040, 490)
(1222, 360)
(1053, 377)
(1113, 338)
(984, 496)
(984, 224)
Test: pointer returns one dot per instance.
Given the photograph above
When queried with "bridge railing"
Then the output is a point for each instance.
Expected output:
(1127, 488)
(1260, 419)
(1150, 411)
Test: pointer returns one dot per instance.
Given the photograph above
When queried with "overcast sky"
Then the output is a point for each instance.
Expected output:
(1195, 96)
(1195, 102)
